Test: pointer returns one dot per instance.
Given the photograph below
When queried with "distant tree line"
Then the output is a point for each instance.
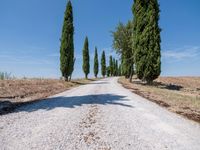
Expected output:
(6, 76)
(111, 70)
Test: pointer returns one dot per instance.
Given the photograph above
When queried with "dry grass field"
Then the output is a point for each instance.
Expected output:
(178, 94)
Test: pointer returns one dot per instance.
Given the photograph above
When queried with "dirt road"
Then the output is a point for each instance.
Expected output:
(99, 116)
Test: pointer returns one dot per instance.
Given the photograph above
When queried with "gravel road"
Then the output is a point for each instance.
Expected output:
(99, 116)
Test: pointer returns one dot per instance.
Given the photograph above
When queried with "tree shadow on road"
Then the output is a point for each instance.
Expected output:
(71, 102)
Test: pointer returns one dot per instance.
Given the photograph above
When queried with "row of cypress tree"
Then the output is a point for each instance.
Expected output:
(112, 70)
(138, 42)
(86, 61)
(67, 59)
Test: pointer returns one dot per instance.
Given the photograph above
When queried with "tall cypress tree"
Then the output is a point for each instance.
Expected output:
(111, 65)
(103, 64)
(86, 58)
(147, 39)
(67, 44)
(153, 62)
(96, 63)
(140, 37)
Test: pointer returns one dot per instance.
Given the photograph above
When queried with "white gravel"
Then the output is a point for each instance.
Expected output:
(98, 116)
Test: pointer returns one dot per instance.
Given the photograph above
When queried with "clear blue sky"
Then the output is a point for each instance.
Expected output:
(30, 32)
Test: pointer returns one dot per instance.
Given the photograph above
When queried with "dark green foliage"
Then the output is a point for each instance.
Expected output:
(140, 40)
(103, 64)
(147, 39)
(120, 70)
(108, 71)
(111, 66)
(86, 58)
(96, 63)
(122, 43)
(72, 69)
(67, 44)
(153, 66)
(116, 68)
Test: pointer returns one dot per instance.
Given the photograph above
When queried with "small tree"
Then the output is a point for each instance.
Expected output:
(96, 63)
(111, 66)
(108, 71)
(67, 44)
(86, 58)
(103, 64)
(114, 67)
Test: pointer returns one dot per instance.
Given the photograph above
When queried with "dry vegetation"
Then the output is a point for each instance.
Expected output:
(178, 94)
(14, 93)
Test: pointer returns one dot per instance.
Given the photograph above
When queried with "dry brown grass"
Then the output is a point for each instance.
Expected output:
(18, 92)
(177, 94)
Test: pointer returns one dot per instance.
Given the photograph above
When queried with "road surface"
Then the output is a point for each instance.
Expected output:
(99, 116)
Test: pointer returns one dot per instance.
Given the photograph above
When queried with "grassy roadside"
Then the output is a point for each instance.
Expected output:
(14, 93)
(180, 95)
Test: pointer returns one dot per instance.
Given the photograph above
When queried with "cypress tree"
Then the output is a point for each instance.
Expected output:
(111, 65)
(96, 63)
(147, 39)
(120, 70)
(67, 44)
(72, 69)
(103, 64)
(140, 39)
(153, 62)
(108, 71)
(116, 67)
(86, 58)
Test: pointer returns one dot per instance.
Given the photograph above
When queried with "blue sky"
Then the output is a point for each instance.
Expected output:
(30, 31)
